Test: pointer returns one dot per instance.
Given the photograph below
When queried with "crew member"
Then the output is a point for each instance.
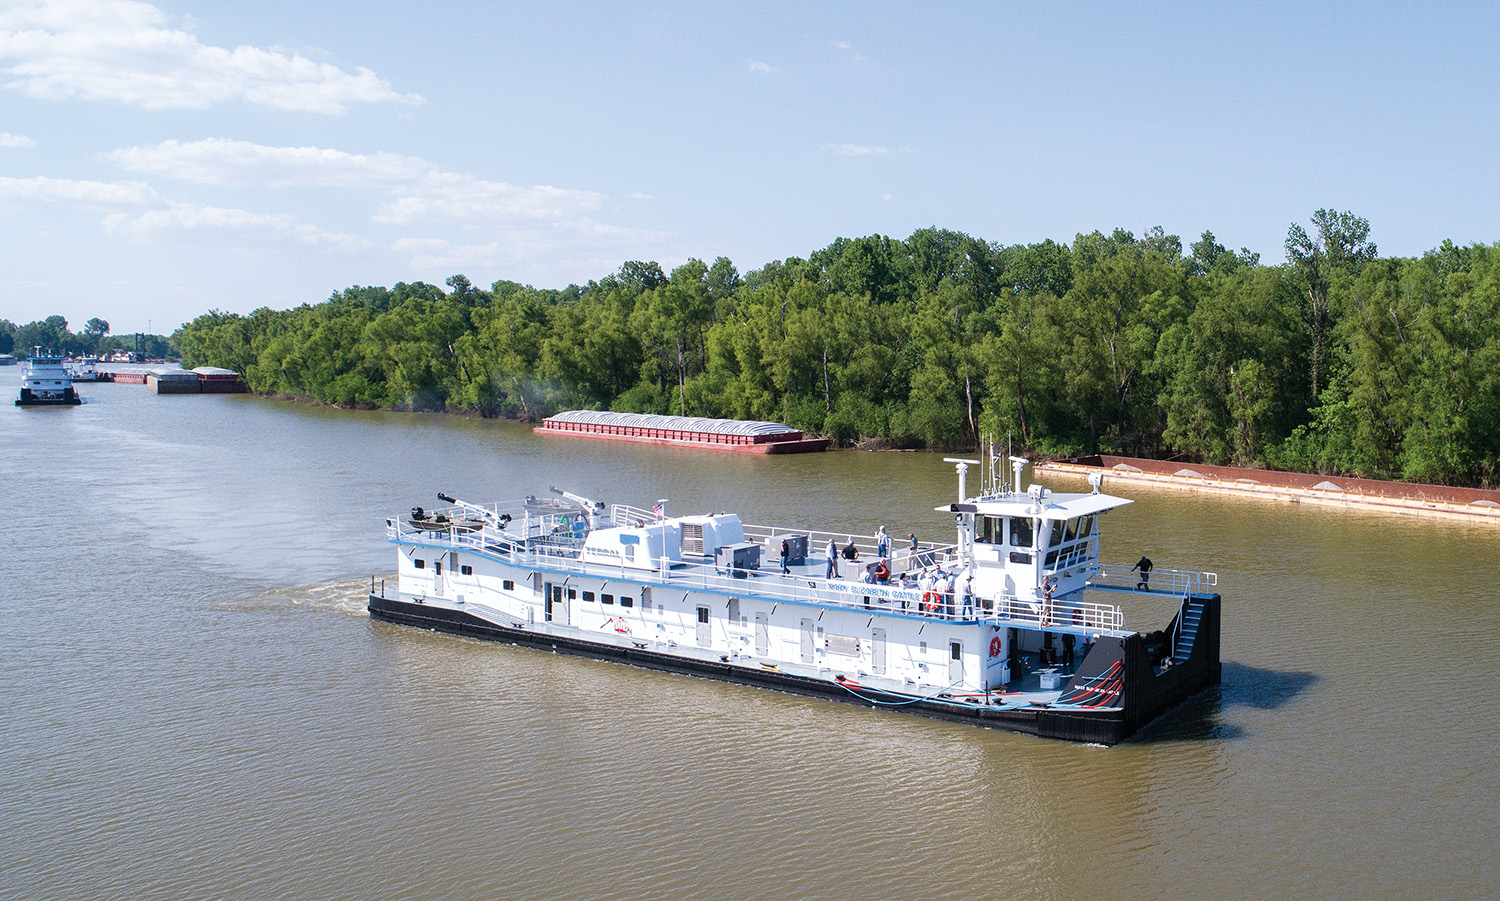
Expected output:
(1143, 566)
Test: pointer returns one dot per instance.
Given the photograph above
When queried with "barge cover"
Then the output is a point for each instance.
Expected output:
(744, 436)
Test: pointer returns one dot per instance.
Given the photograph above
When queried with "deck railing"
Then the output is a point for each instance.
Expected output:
(902, 556)
(1178, 582)
(561, 554)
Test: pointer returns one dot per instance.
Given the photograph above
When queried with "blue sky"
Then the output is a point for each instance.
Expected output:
(161, 159)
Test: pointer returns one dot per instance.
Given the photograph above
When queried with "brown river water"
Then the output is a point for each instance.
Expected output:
(194, 704)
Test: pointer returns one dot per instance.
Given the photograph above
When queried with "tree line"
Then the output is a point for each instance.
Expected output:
(53, 336)
(1338, 361)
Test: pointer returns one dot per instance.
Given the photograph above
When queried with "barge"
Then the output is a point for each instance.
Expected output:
(741, 435)
(1012, 626)
(1411, 498)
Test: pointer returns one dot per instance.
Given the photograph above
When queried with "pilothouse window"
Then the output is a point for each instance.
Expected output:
(988, 529)
(1020, 532)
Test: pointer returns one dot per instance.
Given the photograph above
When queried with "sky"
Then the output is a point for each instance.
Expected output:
(160, 160)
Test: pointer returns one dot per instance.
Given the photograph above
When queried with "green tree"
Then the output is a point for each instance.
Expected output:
(94, 331)
(1339, 243)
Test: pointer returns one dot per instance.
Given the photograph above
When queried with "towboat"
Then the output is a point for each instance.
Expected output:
(46, 382)
(86, 369)
(1011, 626)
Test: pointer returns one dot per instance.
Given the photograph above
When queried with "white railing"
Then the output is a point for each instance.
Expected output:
(902, 556)
(625, 516)
(1181, 582)
(561, 555)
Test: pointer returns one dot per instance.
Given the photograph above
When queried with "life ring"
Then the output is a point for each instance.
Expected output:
(995, 646)
(930, 600)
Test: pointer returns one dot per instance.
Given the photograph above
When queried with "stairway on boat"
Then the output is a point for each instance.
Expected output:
(1187, 630)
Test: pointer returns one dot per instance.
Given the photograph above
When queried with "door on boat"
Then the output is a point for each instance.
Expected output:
(807, 641)
(555, 604)
(955, 662)
(762, 635)
(437, 577)
(703, 633)
(877, 651)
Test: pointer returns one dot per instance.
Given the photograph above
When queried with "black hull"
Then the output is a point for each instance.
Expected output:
(70, 398)
(1146, 695)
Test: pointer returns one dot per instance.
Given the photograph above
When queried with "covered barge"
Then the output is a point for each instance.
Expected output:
(743, 436)
(1443, 501)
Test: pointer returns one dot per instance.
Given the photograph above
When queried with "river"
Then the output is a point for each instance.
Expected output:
(194, 703)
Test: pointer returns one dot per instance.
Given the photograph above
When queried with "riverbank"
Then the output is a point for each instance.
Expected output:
(1465, 504)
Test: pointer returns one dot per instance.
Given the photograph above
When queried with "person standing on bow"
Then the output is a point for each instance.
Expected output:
(832, 552)
(882, 544)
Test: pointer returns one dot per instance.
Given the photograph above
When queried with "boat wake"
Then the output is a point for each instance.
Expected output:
(347, 596)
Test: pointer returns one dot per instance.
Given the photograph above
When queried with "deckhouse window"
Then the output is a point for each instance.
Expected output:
(607, 599)
(988, 529)
(1020, 532)
(421, 564)
(588, 597)
(627, 601)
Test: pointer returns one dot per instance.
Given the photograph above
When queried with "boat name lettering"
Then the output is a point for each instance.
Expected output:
(875, 591)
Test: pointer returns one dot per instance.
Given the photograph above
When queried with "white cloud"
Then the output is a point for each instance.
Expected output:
(467, 200)
(9, 140)
(218, 161)
(559, 252)
(417, 190)
(636, 195)
(123, 50)
(857, 150)
(139, 211)
(75, 192)
(759, 68)
(846, 47)
(445, 220)
(188, 216)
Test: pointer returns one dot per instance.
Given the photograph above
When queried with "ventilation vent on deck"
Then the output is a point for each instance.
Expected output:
(692, 538)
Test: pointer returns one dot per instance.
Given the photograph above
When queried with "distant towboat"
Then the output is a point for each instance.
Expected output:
(744, 436)
(47, 383)
(86, 369)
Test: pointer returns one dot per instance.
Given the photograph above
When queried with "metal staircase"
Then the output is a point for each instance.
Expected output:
(1188, 619)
